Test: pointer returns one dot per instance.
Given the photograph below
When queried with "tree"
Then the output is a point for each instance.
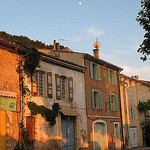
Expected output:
(144, 20)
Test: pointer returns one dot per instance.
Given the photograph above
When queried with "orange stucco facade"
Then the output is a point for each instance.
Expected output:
(104, 115)
(9, 89)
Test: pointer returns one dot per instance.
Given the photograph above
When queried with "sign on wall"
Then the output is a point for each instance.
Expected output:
(8, 104)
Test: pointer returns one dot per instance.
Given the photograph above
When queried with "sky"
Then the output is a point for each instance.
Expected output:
(79, 23)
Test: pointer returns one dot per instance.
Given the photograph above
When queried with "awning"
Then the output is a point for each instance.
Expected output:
(69, 112)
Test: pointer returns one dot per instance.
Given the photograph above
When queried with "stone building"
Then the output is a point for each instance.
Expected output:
(134, 91)
(58, 81)
(9, 96)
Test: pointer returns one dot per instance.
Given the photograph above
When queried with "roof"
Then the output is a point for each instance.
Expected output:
(97, 60)
(12, 47)
(146, 83)
(102, 62)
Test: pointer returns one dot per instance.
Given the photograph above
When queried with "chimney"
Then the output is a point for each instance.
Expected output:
(96, 50)
(136, 77)
(54, 46)
(96, 53)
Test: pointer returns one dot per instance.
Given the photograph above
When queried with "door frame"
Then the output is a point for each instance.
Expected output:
(105, 124)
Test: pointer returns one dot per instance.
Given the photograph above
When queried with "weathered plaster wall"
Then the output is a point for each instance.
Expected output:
(46, 136)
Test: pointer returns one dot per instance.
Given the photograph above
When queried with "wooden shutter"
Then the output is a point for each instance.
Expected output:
(98, 72)
(100, 101)
(116, 103)
(91, 70)
(34, 85)
(110, 102)
(58, 88)
(30, 126)
(92, 98)
(70, 88)
(49, 85)
(115, 77)
(109, 76)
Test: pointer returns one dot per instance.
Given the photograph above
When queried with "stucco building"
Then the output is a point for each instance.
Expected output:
(133, 91)
(58, 81)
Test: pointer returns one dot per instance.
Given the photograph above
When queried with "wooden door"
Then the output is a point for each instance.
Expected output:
(30, 126)
(133, 137)
(67, 125)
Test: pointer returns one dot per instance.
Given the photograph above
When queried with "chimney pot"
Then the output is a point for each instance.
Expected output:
(54, 46)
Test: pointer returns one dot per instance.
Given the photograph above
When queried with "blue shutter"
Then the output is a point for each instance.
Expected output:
(116, 102)
(98, 72)
(92, 98)
(109, 77)
(110, 102)
(100, 101)
(115, 77)
(91, 70)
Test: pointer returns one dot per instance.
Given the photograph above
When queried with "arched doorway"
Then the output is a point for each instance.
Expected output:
(100, 135)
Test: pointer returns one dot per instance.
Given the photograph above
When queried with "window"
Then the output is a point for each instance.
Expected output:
(95, 71)
(132, 113)
(113, 102)
(64, 87)
(130, 94)
(39, 79)
(140, 96)
(96, 100)
(37, 84)
(112, 76)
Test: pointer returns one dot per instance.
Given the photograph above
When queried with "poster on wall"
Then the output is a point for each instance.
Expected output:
(8, 104)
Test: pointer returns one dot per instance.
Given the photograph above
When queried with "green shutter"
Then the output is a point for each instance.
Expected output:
(116, 102)
(92, 97)
(115, 77)
(98, 72)
(110, 102)
(100, 101)
(91, 70)
(109, 77)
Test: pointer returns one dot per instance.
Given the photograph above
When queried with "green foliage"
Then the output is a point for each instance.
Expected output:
(144, 106)
(26, 41)
(30, 60)
(48, 114)
(24, 143)
(144, 20)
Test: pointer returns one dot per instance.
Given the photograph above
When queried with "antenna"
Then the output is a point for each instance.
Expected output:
(61, 40)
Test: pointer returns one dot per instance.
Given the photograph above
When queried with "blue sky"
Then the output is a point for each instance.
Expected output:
(113, 22)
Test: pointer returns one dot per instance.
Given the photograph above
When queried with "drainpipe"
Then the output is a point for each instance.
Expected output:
(120, 110)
